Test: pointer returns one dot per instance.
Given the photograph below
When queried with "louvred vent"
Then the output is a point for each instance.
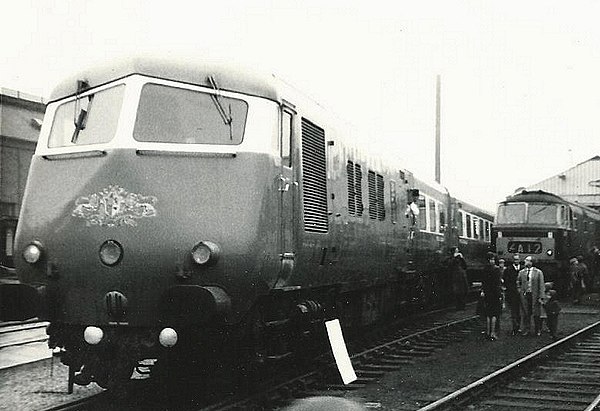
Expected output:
(376, 199)
(355, 205)
(314, 178)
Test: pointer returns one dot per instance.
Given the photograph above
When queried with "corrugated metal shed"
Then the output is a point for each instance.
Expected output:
(579, 184)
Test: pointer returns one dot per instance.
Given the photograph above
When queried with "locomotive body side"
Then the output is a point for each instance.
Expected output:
(209, 216)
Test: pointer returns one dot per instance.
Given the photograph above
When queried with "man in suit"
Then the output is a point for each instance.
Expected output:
(511, 272)
(531, 287)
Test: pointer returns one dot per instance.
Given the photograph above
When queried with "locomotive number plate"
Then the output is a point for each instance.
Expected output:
(525, 247)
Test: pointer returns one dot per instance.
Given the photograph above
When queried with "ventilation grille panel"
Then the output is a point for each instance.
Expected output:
(314, 178)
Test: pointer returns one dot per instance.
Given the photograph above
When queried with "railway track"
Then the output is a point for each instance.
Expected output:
(371, 362)
(564, 375)
(372, 358)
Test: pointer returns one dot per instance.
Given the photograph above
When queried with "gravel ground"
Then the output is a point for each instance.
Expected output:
(458, 365)
(43, 384)
(38, 385)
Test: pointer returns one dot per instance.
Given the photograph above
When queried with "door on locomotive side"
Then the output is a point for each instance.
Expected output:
(287, 192)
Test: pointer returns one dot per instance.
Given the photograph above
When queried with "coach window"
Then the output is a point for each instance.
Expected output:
(433, 227)
(10, 236)
(487, 231)
(286, 138)
(422, 202)
(393, 202)
(469, 227)
(442, 219)
(460, 224)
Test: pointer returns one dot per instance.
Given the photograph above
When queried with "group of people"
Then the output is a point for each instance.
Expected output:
(529, 297)
(521, 287)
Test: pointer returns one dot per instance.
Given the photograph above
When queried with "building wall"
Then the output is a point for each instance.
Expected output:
(579, 184)
(21, 117)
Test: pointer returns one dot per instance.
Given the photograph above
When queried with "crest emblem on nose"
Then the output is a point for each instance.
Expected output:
(114, 206)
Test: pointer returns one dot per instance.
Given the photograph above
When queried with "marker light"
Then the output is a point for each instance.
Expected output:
(93, 335)
(167, 337)
(32, 253)
(205, 253)
(549, 252)
(111, 252)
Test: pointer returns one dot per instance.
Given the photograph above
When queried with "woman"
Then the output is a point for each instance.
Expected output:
(492, 295)
(457, 268)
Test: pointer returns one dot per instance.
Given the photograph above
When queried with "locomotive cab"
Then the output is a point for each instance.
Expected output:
(152, 206)
(547, 227)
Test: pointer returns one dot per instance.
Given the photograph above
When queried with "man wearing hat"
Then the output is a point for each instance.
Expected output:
(531, 287)
(512, 294)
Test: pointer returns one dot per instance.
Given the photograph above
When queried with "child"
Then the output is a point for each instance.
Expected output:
(552, 310)
(543, 315)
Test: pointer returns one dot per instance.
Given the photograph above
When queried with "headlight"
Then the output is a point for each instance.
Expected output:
(205, 253)
(167, 337)
(549, 252)
(32, 253)
(111, 252)
(93, 335)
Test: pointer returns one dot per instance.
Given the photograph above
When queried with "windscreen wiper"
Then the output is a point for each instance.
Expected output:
(80, 120)
(226, 117)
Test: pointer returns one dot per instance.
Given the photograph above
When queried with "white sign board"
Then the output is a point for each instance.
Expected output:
(340, 352)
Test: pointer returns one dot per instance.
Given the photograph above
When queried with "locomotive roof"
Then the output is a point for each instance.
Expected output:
(535, 196)
(228, 76)
(546, 197)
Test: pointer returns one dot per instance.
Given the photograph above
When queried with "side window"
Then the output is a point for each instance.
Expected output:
(432, 217)
(421, 202)
(476, 227)
(393, 202)
(286, 139)
(10, 236)
(442, 218)
(469, 227)
(460, 224)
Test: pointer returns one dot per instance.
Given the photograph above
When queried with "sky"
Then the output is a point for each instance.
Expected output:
(520, 80)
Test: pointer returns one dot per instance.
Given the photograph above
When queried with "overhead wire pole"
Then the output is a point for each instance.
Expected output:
(437, 130)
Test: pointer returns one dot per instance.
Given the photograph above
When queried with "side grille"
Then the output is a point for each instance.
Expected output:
(116, 305)
(314, 178)
(376, 200)
(355, 205)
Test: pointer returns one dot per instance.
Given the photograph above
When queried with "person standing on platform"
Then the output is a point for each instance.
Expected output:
(491, 291)
(585, 273)
(594, 268)
(531, 286)
(457, 269)
(512, 294)
(552, 310)
(575, 280)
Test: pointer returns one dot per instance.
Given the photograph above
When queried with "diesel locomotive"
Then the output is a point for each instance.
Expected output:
(204, 215)
(547, 227)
